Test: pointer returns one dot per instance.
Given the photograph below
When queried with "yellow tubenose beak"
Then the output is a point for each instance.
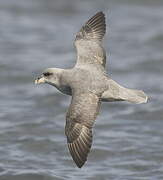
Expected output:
(40, 80)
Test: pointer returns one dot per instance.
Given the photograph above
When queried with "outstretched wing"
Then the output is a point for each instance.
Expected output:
(88, 41)
(79, 121)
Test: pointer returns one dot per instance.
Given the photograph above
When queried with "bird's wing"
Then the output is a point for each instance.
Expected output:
(80, 117)
(88, 41)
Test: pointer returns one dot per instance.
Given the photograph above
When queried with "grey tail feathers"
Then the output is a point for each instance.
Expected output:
(134, 96)
(117, 92)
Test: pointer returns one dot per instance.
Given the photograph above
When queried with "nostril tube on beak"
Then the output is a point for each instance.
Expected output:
(36, 80)
(39, 80)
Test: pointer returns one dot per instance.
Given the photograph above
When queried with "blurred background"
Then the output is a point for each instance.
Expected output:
(128, 139)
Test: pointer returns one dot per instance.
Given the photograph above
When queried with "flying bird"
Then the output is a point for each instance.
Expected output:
(89, 85)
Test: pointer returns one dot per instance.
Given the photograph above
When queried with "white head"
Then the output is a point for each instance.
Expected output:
(50, 76)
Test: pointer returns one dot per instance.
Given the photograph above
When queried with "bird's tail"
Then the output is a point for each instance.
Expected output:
(134, 96)
(116, 92)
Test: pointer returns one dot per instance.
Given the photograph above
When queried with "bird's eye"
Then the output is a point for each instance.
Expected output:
(47, 73)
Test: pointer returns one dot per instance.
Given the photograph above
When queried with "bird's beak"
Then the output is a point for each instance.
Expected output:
(40, 80)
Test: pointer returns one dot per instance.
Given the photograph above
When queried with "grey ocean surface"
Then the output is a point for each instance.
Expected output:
(128, 139)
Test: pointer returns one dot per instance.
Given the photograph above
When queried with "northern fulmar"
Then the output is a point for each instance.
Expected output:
(89, 85)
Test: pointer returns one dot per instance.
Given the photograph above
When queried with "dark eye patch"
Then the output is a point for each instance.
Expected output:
(47, 73)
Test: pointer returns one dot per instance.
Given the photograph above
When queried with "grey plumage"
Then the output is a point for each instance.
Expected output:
(89, 85)
(88, 42)
(79, 121)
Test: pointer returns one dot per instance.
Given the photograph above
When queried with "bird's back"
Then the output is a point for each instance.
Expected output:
(85, 78)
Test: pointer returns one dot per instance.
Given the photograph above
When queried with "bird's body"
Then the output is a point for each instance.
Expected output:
(83, 79)
(88, 84)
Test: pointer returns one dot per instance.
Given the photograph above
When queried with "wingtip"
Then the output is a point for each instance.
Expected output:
(101, 12)
(79, 165)
(98, 25)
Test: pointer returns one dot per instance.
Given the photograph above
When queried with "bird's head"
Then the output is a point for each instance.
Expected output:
(50, 76)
